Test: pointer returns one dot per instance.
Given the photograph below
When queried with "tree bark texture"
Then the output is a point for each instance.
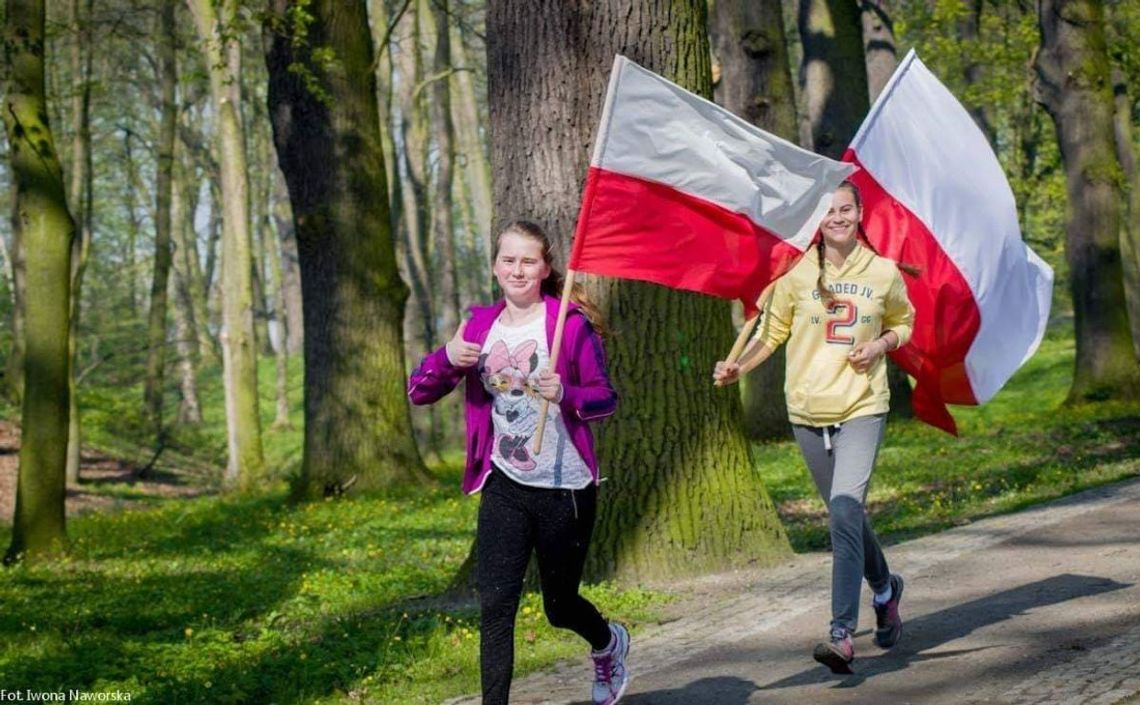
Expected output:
(1073, 84)
(756, 84)
(185, 336)
(443, 132)
(45, 224)
(80, 200)
(879, 48)
(1126, 155)
(356, 412)
(968, 28)
(156, 320)
(833, 73)
(682, 495)
(216, 23)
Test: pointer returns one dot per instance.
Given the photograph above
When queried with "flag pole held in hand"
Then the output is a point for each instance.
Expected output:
(748, 327)
(555, 346)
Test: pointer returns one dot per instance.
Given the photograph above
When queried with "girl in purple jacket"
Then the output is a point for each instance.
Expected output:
(531, 501)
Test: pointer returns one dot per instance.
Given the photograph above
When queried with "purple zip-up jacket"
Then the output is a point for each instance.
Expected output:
(587, 394)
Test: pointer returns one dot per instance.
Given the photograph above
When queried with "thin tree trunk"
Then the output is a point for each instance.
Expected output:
(290, 266)
(879, 48)
(756, 84)
(1074, 86)
(968, 28)
(475, 167)
(281, 349)
(682, 496)
(420, 319)
(443, 228)
(80, 199)
(185, 336)
(47, 230)
(217, 29)
(156, 321)
(133, 227)
(357, 423)
(833, 73)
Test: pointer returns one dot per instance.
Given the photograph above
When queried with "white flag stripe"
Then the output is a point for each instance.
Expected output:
(956, 186)
(655, 130)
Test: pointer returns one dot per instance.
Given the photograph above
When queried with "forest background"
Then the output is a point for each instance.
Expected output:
(238, 225)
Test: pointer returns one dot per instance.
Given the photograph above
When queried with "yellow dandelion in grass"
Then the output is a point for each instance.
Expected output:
(189, 632)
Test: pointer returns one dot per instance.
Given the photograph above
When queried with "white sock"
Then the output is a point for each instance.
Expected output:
(882, 598)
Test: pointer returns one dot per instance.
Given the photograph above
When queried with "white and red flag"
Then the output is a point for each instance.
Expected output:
(683, 193)
(935, 196)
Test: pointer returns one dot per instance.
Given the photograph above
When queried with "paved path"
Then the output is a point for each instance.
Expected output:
(1042, 606)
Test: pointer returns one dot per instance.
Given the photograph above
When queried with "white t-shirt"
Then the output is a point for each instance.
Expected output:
(509, 365)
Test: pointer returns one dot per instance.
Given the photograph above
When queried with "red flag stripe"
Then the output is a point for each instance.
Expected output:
(638, 229)
(947, 318)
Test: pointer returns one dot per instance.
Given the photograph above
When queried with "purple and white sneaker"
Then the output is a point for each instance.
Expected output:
(610, 674)
(888, 623)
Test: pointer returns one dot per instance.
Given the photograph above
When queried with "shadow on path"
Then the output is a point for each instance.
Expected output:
(929, 631)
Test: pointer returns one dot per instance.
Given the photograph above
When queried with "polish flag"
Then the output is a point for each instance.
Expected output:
(683, 193)
(935, 196)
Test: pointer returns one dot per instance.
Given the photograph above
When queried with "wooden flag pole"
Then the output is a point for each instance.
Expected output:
(748, 327)
(555, 347)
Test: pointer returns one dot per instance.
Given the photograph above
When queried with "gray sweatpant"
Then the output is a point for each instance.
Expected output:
(842, 473)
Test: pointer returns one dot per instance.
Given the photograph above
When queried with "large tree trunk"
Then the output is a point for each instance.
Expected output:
(39, 527)
(356, 412)
(835, 84)
(218, 31)
(1073, 85)
(682, 495)
(1126, 155)
(156, 321)
(756, 84)
(80, 199)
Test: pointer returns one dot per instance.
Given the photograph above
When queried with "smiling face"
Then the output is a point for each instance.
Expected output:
(841, 224)
(520, 268)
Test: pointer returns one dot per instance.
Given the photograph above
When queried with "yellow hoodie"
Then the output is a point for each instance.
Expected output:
(869, 298)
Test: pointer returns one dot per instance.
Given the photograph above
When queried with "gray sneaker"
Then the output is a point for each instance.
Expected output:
(610, 674)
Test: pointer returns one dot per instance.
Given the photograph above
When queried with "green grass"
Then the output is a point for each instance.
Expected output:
(250, 599)
(1021, 448)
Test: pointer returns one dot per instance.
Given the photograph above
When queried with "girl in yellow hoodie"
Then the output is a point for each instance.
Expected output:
(841, 308)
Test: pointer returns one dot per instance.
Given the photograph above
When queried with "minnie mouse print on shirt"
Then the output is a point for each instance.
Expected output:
(509, 366)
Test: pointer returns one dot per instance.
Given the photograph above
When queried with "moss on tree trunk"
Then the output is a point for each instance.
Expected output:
(39, 528)
(327, 129)
(682, 495)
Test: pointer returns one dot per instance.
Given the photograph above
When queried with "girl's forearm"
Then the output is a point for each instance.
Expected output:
(753, 356)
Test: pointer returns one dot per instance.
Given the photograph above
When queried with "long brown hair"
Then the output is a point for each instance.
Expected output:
(552, 285)
(861, 237)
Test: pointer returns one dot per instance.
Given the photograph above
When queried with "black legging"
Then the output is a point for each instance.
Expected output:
(514, 520)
